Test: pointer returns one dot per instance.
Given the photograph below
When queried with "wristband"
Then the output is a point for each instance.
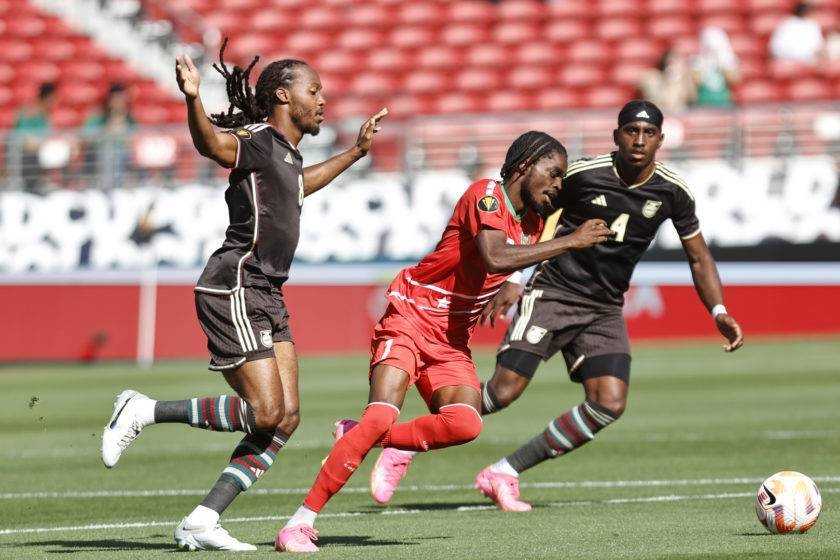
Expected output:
(516, 277)
(718, 309)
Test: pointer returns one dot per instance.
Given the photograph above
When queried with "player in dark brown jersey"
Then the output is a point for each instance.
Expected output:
(573, 302)
(238, 296)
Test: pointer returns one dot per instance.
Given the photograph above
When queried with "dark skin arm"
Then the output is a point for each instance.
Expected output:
(707, 283)
(318, 176)
(500, 257)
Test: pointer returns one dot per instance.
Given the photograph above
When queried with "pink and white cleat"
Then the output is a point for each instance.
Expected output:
(390, 468)
(343, 426)
(297, 538)
(502, 489)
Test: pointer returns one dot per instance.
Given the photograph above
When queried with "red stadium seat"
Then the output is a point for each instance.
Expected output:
(422, 13)
(745, 45)
(370, 84)
(389, 59)
(360, 39)
(66, 117)
(271, 20)
(439, 56)
(565, 31)
(14, 50)
(617, 29)
(408, 106)
(628, 74)
(412, 37)
(763, 24)
(81, 70)
(809, 89)
(752, 68)
(426, 81)
(459, 103)
(588, 51)
(539, 53)
(670, 28)
(578, 75)
(370, 15)
(568, 9)
(608, 8)
(79, 93)
(789, 70)
(639, 50)
(42, 71)
(515, 32)
(338, 61)
(472, 11)
(557, 98)
(758, 91)
(531, 77)
(478, 79)
(609, 96)
(308, 41)
(53, 49)
(488, 54)
(464, 34)
(509, 100)
(731, 23)
(322, 17)
(516, 10)
(717, 6)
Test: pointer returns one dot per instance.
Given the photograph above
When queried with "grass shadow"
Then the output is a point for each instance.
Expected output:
(354, 540)
(97, 545)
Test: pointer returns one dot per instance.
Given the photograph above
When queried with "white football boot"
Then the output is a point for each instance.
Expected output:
(123, 427)
(209, 537)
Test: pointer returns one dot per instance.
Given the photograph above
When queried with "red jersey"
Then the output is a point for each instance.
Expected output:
(445, 292)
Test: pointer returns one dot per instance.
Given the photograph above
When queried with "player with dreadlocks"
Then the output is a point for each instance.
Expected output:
(423, 337)
(238, 298)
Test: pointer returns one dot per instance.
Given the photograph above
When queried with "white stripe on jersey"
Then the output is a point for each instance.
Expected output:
(448, 293)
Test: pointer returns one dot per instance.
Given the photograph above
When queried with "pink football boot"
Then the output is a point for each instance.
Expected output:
(390, 468)
(297, 538)
(502, 489)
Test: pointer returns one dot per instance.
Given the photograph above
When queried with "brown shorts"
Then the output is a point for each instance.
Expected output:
(242, 326)
(591, 336)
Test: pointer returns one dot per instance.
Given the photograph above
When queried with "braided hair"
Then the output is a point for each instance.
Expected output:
(528, 149)
(252, 106)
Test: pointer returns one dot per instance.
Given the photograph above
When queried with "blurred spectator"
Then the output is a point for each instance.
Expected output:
(797, 37)
(32, 127)
(670, 85)
(107, 130)
(715, 69)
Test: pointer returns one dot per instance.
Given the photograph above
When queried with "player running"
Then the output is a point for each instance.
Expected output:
(423, 337)
(238, 297)
(573, 302)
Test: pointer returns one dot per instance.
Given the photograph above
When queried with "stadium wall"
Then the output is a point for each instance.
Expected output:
(88, 320)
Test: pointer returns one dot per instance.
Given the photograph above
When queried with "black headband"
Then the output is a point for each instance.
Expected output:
(640, 110)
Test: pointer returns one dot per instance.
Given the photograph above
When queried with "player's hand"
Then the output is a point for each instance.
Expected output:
(369, 128)
(498, 307)
(187, 75)
(729, 327)
(589, 233)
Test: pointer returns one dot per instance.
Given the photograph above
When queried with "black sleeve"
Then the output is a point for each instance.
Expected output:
(254, 150)
(684, 216)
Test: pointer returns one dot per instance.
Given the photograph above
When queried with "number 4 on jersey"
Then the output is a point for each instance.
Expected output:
(619, 225)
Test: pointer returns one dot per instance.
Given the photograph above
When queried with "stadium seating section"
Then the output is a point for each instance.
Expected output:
(426, 57)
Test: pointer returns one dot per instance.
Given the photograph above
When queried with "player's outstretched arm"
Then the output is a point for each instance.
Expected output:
(499, 257)
(220, 147)
(707, 283)
(320, 175)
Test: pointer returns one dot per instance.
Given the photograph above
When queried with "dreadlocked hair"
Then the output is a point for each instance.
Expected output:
(528, 149)
(252, 106)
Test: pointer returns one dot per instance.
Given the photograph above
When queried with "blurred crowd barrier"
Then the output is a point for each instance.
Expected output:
(71, 201)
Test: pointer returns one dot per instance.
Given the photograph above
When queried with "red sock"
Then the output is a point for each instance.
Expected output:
(349, 452)
(453, 425)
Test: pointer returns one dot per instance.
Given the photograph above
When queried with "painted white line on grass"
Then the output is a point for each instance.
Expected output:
(326, 444)
(404, 488)
(395, 511)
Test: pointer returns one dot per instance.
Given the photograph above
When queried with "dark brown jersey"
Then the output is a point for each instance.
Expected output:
(264, 199)
(592, 189)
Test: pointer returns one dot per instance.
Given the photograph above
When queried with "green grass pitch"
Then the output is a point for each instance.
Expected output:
(674, 478)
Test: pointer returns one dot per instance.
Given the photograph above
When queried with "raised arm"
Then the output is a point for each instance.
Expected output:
(220, 147)
(320, 175)
(500, 257)
(704, 273)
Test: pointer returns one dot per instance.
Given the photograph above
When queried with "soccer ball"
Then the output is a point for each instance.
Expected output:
(788, 502)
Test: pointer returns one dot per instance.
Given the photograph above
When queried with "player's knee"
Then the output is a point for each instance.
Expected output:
(268, 416)
(612, 401)
(505, 395)
(378, 418)
(462, 423)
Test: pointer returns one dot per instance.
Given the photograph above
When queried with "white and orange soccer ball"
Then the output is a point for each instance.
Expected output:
(788, 502)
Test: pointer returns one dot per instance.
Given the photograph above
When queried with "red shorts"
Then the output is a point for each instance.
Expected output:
(430, 364)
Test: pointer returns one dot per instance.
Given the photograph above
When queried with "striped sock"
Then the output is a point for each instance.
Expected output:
(253, 456)
(564, 434)
(221, 414)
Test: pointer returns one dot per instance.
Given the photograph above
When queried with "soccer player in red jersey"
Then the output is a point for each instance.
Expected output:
(423, 337)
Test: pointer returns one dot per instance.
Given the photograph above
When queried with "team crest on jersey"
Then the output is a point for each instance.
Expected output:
(265, 338)
(488, 203)
(650, 208)
(243, 133)
(535, 334)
